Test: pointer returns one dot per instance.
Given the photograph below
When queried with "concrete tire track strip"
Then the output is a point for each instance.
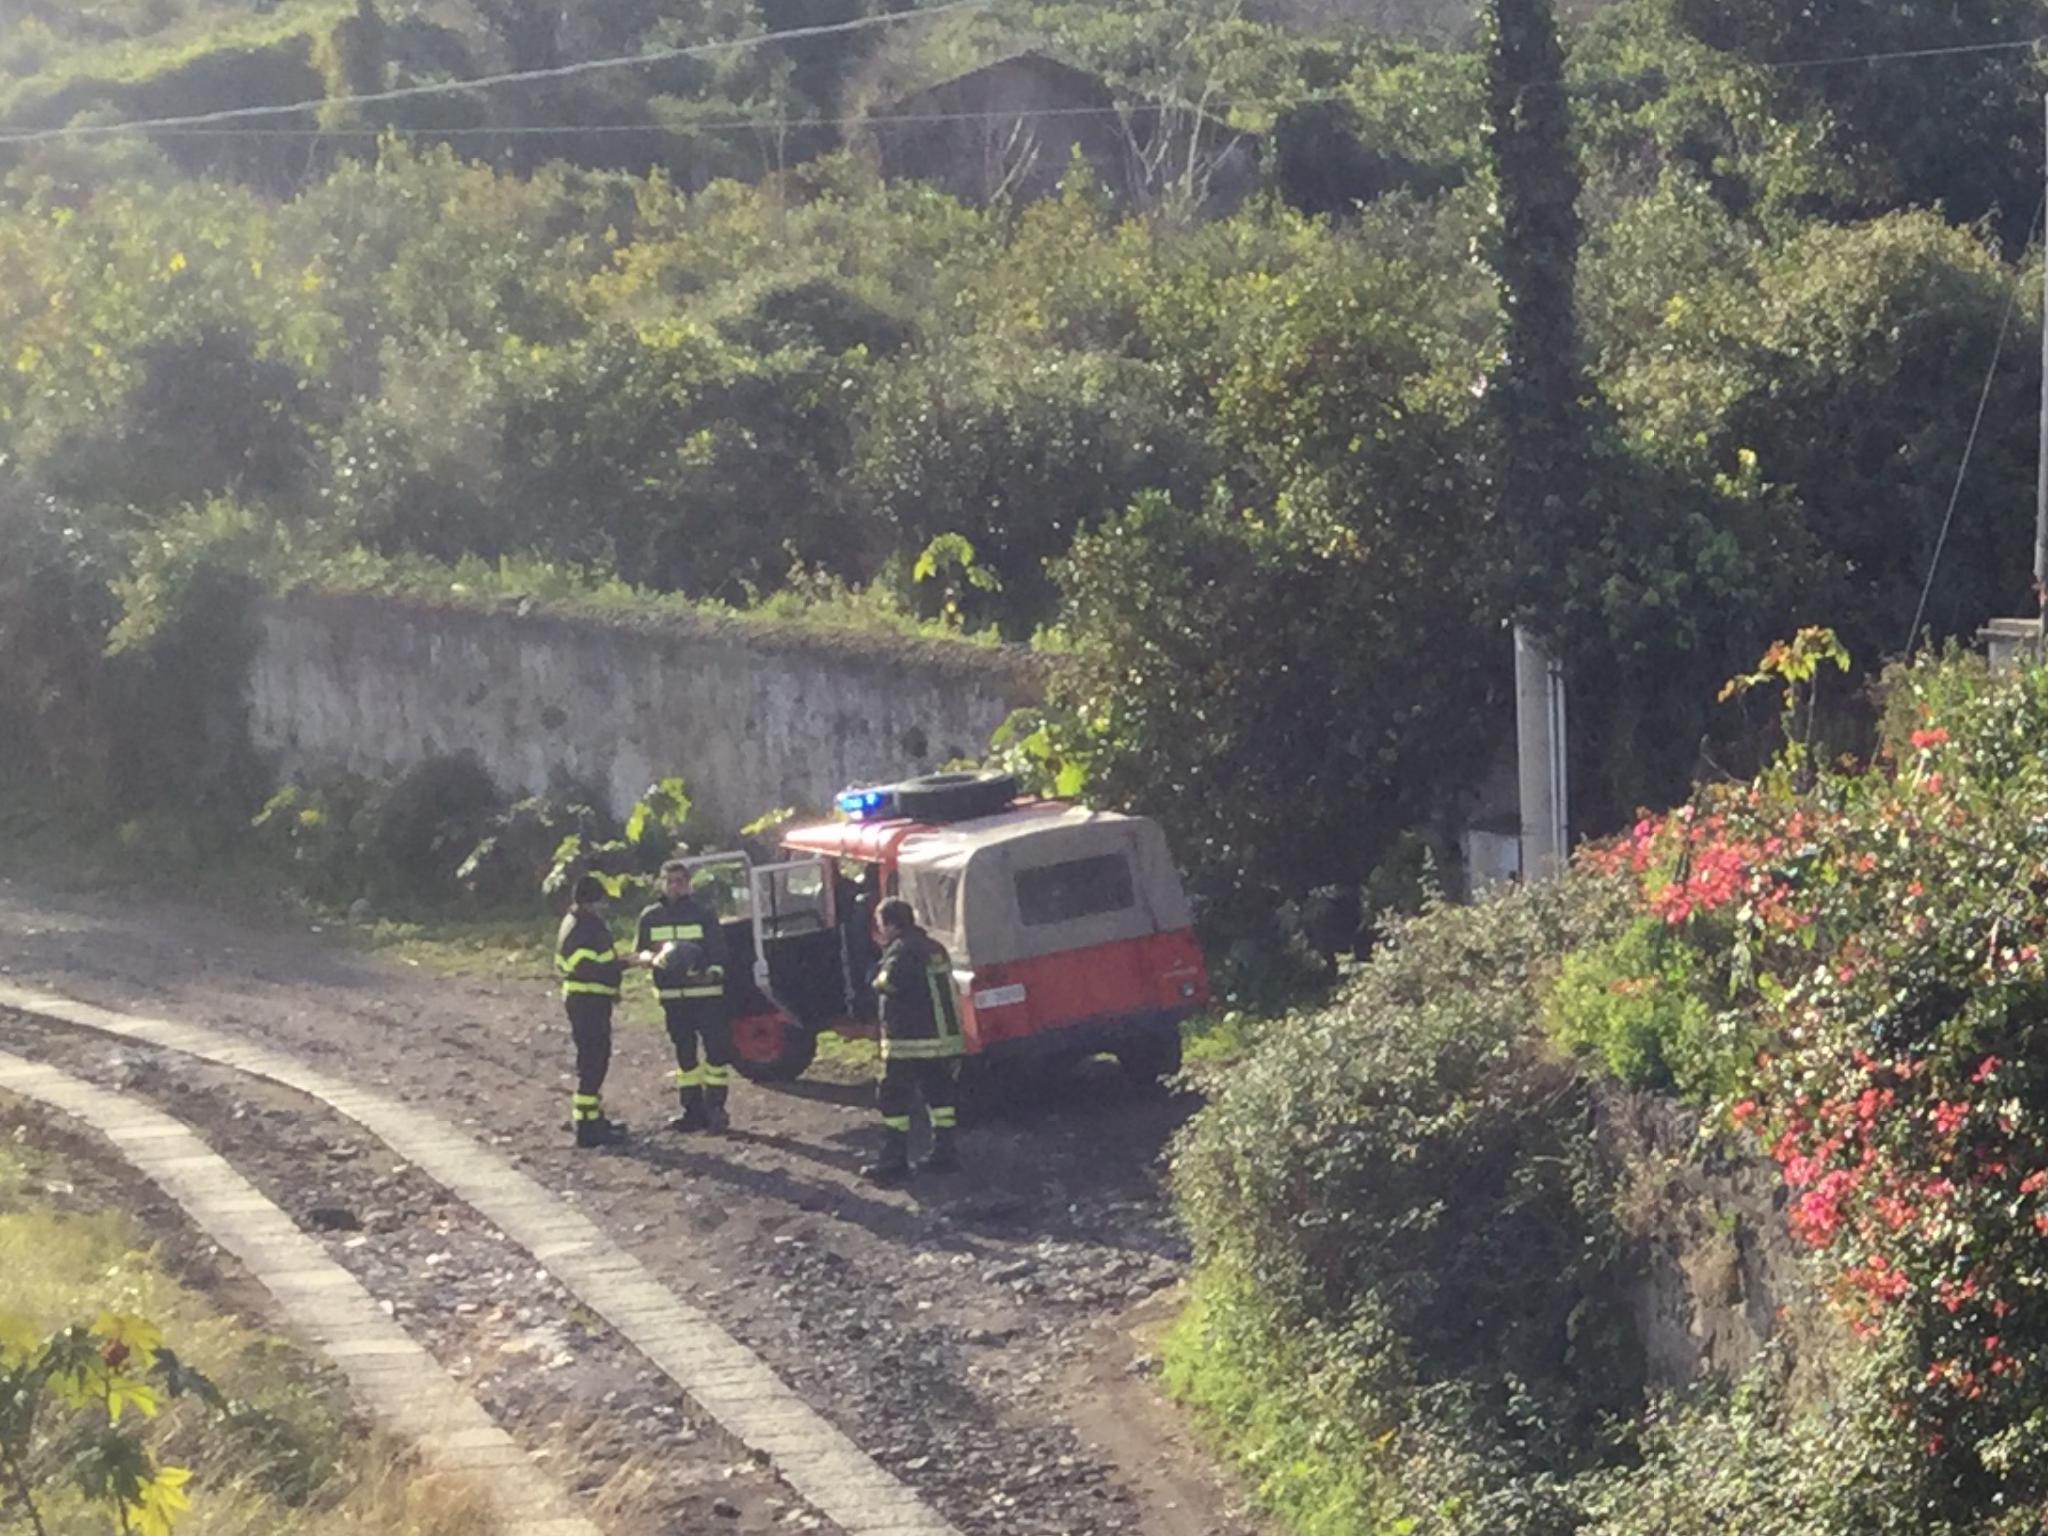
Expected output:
(730, 1385)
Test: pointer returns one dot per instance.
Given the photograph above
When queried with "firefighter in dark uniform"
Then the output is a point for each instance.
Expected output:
(921, 1043)
(591, 966)
(686, 949)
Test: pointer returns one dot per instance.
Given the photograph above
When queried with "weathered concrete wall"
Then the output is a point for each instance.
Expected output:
(752, 716)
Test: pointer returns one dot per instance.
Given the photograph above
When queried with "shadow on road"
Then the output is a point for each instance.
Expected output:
(860, 1095)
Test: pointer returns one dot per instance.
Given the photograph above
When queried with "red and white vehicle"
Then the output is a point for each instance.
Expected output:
(1068, 928)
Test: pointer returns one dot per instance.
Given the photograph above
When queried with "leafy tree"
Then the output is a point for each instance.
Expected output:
(205, 416)
(816, 314)
(1952, 118)
(56, 609)
(1322, 164)
(1880, 343)
(1018, 454)
(1840, 378)
(421, 467)
(1287, 708)
(1654, 101)
(1837, 111)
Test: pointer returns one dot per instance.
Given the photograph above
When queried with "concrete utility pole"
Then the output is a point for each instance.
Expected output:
(1540, 760)
(2011, 643)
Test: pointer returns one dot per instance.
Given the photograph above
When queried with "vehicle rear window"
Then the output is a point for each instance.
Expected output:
(1060, 893)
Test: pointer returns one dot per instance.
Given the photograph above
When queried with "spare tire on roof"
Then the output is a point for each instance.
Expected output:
(955, 796)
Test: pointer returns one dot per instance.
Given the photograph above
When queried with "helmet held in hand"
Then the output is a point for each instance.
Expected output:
(680, 957)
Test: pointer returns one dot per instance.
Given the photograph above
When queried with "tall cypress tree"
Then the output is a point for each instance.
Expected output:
(1539, 393)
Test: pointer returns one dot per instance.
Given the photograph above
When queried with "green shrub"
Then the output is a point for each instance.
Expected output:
(436, 812)
(313, 832)
(1634, 1002)
(1747, 1456)
(1402, 1188)
(510, 863)
(1289, 1409)
(399, 843)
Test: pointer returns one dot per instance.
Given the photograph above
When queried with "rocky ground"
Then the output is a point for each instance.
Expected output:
(984, 1335)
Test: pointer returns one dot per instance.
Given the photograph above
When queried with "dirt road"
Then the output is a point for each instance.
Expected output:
(983, 1335)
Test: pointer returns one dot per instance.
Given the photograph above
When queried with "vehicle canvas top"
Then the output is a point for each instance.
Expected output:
(1038, 880)
(1068, 929)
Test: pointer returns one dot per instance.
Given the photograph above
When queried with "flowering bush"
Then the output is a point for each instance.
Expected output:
(1420, 1280)
(1874, 937)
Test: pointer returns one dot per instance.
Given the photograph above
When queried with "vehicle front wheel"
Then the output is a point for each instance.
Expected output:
(768, 1048)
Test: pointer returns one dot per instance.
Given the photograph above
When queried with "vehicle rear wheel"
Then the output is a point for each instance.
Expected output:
(768, 1048)
(1152, 1055)
(955, 796)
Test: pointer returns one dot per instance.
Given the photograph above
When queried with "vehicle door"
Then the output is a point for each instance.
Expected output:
(797, 960)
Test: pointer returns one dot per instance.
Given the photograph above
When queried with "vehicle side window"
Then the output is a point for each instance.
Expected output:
(1060, 893)
(934, 896)
(792, 898)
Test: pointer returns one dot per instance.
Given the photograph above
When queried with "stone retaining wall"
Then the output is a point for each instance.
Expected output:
(752, 716)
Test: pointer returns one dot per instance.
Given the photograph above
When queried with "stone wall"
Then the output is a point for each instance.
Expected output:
(752, 716)
(1718, 1275)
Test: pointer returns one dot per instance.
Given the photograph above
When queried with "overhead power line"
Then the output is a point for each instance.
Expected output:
(1955, 495)
(1904, 53)
(202, 122)
(514, 130)
(487, 82)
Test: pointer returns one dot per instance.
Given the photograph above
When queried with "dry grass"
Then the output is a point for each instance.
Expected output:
(289, 1456)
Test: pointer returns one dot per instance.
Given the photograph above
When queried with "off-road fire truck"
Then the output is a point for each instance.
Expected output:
(1068, 928)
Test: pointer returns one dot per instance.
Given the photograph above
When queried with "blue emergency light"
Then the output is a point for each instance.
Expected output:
(865, 804)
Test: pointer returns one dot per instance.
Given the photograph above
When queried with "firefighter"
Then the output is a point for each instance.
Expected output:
(591, 967)
(921, 1043)
(685, 947)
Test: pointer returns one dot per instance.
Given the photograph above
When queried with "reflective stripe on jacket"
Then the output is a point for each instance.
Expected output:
(684, 921)
(920, 1008)
(588, 956)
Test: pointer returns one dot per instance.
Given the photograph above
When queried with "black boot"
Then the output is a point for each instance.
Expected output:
(944, 1156)
(893, 1166)
(599, 1132)
(693, 1117)
(715, 1117)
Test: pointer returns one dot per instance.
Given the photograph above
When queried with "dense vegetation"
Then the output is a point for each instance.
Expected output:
(1422, 1283)
(1269, 475)
(1245, 467)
